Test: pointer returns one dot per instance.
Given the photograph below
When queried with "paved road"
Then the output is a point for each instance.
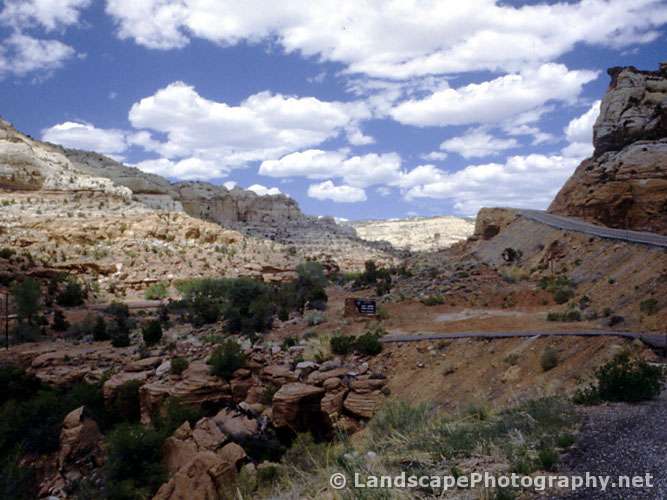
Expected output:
(580, 226)
(657, 341)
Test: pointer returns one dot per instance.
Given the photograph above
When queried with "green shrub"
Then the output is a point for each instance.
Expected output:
(368, 344)
(314, 318)
(16, 384)
(565, 440)
(152, 332)
(266, 398)
(649, 306)
(571, 315)
(341, 344)
(156, 291)
(27, 299)
(174, 413)
(288, 342)
(433, 300)
(548, 458)
(17, 482)
(60, 324)
(7, 253)
(100, 329)
(124, 406)
(629, 379)
(178, 365)
(310, 286)
(226, 359)
(72, 295)
(134, 469)
(549, 359)
(562, 295)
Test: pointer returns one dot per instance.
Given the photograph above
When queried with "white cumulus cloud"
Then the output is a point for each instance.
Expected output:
(478, 143)
(359, 171)
(263, 190)
(397, 39)
(87, 137)
(327, 190)
(263, 126)
(521, 181)
(49, 14)
(493, 101)
(579, 133)
(21, 55)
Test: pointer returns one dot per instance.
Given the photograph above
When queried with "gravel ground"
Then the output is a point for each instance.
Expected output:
(621, 439)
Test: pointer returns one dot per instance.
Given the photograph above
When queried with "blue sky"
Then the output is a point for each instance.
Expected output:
(371, 109)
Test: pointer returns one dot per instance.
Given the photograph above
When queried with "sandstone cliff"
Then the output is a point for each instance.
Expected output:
(624, 184)
(416, 233)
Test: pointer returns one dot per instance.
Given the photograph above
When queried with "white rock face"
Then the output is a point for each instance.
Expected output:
(418, 234)
(26, 164)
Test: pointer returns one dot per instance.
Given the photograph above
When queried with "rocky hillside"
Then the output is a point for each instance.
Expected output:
(416, 233)
(85, 213)
(624, 184)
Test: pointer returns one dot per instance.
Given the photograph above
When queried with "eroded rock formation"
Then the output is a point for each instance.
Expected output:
(624, 184)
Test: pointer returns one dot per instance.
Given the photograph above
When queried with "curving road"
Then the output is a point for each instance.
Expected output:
(580, 226)
(656, 341)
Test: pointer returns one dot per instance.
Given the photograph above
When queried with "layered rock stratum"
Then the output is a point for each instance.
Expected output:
(624, 183)
(81, 212)
(416, 233)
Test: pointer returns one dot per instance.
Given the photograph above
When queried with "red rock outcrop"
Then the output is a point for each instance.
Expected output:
(624, 184)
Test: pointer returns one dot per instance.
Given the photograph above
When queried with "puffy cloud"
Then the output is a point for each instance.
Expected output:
(327, 190)
(87, 137)
(522, 181)
(263, 190)
(21, 55)
(493, 101)
(49, 14)
(478, 143)
(359, 171)
(186, 169)
(399, 39)
(263, 126)
(580, 129)
(579, 133)
(435, 156)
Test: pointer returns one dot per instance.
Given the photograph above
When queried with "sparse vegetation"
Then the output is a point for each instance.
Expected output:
(625, 378)
(178, 365)
(72, 295)
(549, 359)
(152, 332)
(156, 291)
(570, 315)
(226, 359)
(561, 287)
(433, 300)
(649, 306)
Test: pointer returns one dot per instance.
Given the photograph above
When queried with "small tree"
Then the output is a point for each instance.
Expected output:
(226, 359)
(152, 332)
(100, 329)
(72, 295)
(27, 298)
(60, 324)
(368, 344)
(178, 365)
